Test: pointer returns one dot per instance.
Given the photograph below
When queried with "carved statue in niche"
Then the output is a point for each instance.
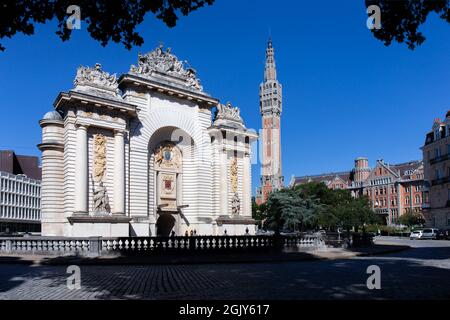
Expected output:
(101, 199)
(234, 175)
(236, 205)
(236, 202)
(99, 157)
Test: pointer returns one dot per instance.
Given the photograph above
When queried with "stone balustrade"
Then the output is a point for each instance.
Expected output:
(98, 246)
(45, 245)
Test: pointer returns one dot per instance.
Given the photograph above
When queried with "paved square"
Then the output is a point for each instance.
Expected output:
(422, 272)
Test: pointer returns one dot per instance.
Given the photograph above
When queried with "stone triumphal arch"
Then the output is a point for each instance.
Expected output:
(145, 153)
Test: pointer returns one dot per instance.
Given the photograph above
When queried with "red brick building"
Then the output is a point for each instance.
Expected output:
(393, 189)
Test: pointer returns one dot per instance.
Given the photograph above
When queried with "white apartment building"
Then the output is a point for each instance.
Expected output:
(20, 203)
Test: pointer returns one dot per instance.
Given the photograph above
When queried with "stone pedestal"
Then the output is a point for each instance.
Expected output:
(99, 226)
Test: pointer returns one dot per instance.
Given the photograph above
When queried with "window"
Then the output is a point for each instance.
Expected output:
(437, 152)
(417, 199)
(437, 173)
(407, 200)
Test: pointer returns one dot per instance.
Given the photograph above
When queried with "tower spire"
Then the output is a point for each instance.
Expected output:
(270, 71)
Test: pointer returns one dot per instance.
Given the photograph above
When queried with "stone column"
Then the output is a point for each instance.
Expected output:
(52, 187)
(223, 182)
(246, 183)
(119, 173)
(81, 172)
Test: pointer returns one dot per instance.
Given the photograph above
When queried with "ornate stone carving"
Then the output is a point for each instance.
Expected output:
(167, 156)
(166, 63)
(99, 157)
(96, 77)
(236, 205)
(234, 175)
(228, 112)
(101, 199)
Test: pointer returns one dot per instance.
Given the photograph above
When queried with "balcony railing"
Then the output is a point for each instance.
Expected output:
(440, 159)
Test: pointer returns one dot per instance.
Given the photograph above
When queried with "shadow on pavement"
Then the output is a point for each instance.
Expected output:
(409, 274)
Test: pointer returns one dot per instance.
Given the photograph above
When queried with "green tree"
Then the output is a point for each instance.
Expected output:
(282, 210)
(412, 219)
(106, 20)
(311, 205)
(339, 207)
(290, 211)
(362, 213)
(259, 213)
(400, 20)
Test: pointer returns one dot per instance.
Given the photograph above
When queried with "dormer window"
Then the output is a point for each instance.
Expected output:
(437, 134)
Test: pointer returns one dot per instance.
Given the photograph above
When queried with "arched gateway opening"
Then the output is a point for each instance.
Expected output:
(165, 224)
(169, 148)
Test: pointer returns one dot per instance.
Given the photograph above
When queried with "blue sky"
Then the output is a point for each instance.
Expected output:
(345, 93)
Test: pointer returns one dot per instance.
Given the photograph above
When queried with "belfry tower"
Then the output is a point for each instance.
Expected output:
(270, 100)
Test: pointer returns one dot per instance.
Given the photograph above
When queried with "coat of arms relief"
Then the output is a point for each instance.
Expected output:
(167, 156)
(167, 163)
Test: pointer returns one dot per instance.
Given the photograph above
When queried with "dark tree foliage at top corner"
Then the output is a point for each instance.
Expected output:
(106, 20)
(401, 19)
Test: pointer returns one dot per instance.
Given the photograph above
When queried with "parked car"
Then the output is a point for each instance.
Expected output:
(416, 234)
(430, 233)
(443, 235)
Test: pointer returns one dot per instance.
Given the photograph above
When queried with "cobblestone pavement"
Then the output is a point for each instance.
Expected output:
(419, 273)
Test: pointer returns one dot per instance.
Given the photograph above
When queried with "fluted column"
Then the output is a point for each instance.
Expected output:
(223, 183)
(81, 172)
(119, 173)
(246, 184)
